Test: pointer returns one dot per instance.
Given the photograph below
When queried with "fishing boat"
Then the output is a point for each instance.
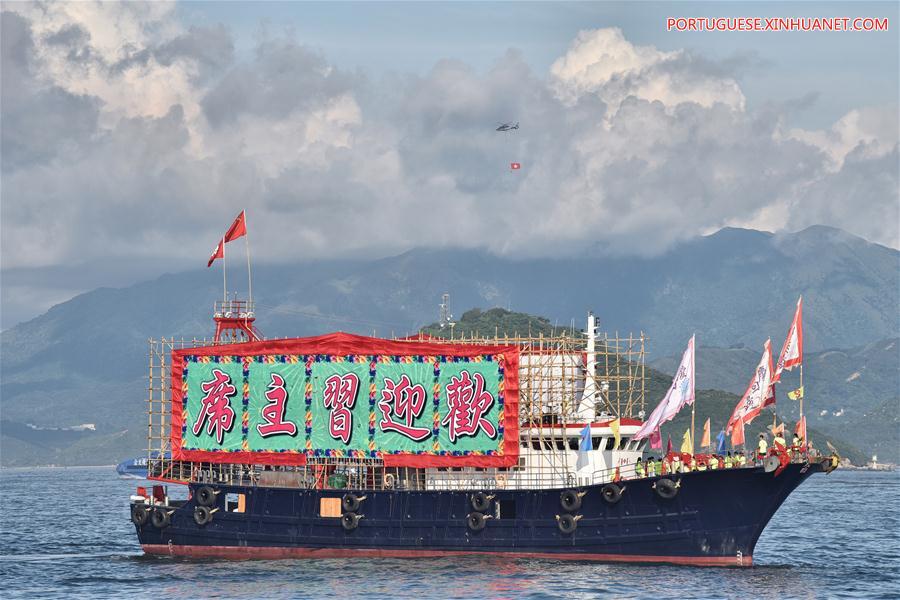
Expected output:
(343, 445)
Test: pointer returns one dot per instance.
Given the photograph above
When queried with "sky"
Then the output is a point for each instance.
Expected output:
(133, 133)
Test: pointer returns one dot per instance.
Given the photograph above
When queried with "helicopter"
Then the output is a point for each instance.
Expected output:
(508, 126)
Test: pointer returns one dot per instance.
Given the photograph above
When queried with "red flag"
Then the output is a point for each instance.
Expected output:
(237, 229)
(792, 351)
(515, 166)
(800, 429)
(760, 392)
(219, 252)
(737, 434)
(669, 445)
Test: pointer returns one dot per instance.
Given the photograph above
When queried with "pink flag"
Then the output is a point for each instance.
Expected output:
(792, 351)
(680, 393)
(760, 391)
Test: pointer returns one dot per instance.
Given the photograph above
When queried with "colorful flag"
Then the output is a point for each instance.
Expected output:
(219, 252)
(614, 426)
(778, 429)
(686, 446)
(515, 166)
(680, 393)
(792, 351)
(720, 442)
(759, 393)
(656, 440)
(237, 229)
(796, 394)
(705, 441)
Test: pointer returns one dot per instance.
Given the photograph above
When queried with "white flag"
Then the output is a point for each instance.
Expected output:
(792, 351)
(680, 393)
(759, 392)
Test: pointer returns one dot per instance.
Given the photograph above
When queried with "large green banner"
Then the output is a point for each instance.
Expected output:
(287, 408)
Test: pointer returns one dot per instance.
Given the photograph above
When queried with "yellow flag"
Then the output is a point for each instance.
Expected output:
(705, 442)
(614, 425)
(686, 445)
(796, 394)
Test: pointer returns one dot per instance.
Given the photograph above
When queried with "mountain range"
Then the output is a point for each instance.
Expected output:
(85, 360)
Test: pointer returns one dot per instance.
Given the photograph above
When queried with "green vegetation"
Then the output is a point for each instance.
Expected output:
(498, 321)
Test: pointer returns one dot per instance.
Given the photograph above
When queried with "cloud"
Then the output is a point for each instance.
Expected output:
(603, 62)
(128, 135)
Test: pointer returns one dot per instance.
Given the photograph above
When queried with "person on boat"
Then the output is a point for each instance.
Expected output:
(762, 447)
(639, 471)
(651, 467)
(778, 443)
(713, 462)
(729, 461)
(701, 465)
(742, 459)
(693, 463)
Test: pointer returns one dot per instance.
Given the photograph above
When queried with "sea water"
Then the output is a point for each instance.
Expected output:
(66, 533)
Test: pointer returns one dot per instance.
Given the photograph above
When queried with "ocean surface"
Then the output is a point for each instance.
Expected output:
(66, 533)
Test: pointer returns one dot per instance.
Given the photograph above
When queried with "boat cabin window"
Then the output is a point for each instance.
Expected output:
(236, 503)
(610, 442)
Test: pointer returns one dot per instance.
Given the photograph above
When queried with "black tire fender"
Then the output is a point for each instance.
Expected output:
(570, 500)
(161, 517)
(666, 488)
(612, 493)
(350, 521)
(202, 515)
(351, 502)
(139, 514)
(206, 496)
(481, 502)
(567, 523)
(477, 521)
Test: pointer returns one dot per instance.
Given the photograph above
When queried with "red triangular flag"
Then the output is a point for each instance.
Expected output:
(669, 445)
(237, 229)
(792, 351)
(219, 252)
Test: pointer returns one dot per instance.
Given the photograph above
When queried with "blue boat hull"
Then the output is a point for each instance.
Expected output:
(715, 518)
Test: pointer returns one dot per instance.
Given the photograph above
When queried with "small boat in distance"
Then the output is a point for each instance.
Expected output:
(135, 468)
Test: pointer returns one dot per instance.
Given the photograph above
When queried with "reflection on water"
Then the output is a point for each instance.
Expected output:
(66, 533)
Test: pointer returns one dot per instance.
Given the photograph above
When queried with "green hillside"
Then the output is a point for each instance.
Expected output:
(497, 321)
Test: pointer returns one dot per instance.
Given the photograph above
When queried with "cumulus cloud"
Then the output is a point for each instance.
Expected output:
(128, 135)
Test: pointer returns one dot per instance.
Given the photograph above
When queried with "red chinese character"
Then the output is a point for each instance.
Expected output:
(273, 412)
(216, 406)
(408, 401)
(340, 396)
(468, 402)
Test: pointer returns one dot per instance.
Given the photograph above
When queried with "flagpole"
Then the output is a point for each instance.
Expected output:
(802, 391)
(694, 383)
(249, 278)
(224, 284)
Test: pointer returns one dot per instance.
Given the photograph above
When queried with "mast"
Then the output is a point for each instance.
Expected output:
(693, 383)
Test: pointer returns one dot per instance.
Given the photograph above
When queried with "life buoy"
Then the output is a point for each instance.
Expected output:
(476, 521)
(570, 500)
(351, 502)
(160, 518)
(567, 523)
(350, 521)
(611, 492)
(206, 496)
(139, 514)
(389, 480)
(502, 479)
(666, 488)
(202, 515)
(481, 501)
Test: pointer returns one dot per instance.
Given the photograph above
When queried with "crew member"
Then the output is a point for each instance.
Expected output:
(639, 468)
(742, 459)
(713, 462)
(778, 443)
(651, 467)
(762, 446)
(729, 462)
